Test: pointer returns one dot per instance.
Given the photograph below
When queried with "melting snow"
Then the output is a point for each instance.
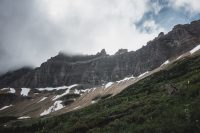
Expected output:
(42, 99)
(56, 106)
(125, 79)
(5, 107)
(24, 117)
(59, 96)
(195, 49)
(141, 75)
(165, 63)
(77, 91)
(86, 90)
(12, 90)
(94, 89)
(108, 84)
(180, 57)
(25, 91)
(5, 89)
(57, 88)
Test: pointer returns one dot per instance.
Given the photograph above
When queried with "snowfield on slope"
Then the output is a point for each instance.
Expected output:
(179, 57)
(108, 84)
(4, 89)
(5, 107)
(125, 79)
(165, 63)
(74, 92)
(25, 91)
(24, 117)
(56, 106)
(61, 95)
(12, 90)
(42, 99)
(195, 49)
(141, 75)
(57, 88)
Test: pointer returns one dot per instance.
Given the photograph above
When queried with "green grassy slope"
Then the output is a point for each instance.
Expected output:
(165, 102)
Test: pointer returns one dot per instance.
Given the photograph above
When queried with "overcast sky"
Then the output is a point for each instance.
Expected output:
(31, 31)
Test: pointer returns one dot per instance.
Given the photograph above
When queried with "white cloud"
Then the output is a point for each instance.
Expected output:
(151, 26)
(32, 32)
(193, 6)
(156, 7)
(91, 25)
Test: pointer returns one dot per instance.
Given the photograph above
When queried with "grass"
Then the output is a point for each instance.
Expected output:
(145, 107)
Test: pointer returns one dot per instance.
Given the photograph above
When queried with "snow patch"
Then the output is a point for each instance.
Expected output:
(24, 117)
(25, 91)
(108, 84)
(179, 57)
(165, 63)
(125, 79)
(4, 89)
(42, 99)
(141, 75)
(61, 95)
(76, 91)
(56, 106)
(5, 107)
(93, 102)
(57, 88)
(86, 90)
(68, 91)
(12, 90)
(195, 49)
(93, 89)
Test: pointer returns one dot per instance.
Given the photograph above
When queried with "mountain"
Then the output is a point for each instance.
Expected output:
(153, 89)
(102, 68)
(10, 77)
(164, 100)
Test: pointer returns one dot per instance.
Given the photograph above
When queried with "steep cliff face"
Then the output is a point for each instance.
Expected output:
(101, 68)
(8, 78)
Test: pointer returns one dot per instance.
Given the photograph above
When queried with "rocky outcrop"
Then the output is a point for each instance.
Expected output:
(121, 51)
(10, 77)
(101, 68)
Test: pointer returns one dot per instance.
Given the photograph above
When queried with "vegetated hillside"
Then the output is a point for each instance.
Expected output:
(102, 68)
(165, 102)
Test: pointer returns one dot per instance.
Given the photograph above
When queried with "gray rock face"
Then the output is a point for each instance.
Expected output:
(101, 68)
(10, 77)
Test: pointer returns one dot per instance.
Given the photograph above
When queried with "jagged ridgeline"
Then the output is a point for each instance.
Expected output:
(102, 68)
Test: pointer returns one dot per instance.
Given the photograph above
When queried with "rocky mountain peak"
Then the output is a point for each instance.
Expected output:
(161, 34)
(121, 51)
(102, 53)
(102, 68)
